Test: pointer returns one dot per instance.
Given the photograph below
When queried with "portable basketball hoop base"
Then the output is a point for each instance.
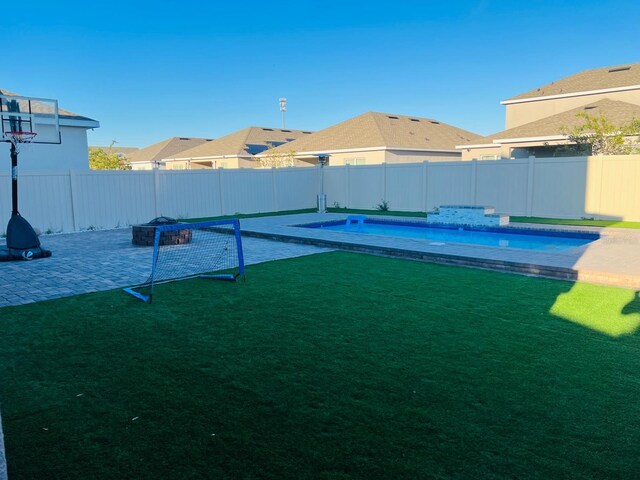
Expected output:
(22, 241)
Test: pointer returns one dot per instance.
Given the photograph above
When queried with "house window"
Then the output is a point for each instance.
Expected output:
(490, 157)
(355, 161)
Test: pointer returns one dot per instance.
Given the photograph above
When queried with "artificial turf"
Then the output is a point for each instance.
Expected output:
(332, 366)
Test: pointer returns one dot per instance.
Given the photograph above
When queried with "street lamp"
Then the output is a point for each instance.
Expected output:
(283, 108)
(323, 159)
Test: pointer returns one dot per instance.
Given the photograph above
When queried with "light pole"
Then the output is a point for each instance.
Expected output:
(323, 159)
(283, 108)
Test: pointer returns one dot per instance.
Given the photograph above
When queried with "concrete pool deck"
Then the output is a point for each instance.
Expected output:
(613, 260)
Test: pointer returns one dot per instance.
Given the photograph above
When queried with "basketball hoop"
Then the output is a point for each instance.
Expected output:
(20, 137)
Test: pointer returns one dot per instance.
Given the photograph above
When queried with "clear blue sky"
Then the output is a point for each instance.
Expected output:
(152, 70)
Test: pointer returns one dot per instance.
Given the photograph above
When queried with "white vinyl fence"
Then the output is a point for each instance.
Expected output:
(598, 187)
(86, 200)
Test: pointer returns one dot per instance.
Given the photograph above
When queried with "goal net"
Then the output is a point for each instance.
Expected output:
(210, 250)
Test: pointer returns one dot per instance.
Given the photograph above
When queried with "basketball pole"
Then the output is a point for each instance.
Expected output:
(14, 180)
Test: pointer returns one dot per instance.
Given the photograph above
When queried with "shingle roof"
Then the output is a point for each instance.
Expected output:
(165, 149)
(616, 112)
(374, 129)
(61, 112)
(587, 80)
(246, 142)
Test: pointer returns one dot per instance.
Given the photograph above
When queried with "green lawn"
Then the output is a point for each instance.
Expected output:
(332, 366)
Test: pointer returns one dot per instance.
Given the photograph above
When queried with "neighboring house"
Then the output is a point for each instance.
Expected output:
(236, 150)
(71, 153)
(535, 120)
(373, 138)
(154, 155)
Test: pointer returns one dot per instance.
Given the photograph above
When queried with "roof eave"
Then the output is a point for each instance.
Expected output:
(515, 100)
(81, 123)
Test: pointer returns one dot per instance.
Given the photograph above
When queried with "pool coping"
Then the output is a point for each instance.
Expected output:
(542, 264)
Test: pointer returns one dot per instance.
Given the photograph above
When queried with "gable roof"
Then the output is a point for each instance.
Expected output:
(587, 80)
(374, 129)
(615, 111)
(62, 113)
(165, 149)
(246, 142)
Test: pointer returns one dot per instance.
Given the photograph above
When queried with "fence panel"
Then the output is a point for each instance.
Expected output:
(295, 188)
(336, 185)
(113, 199)
(246, 191)
(188, 193)
(404, 185)
(503, 185)
(366, 186)
(43, 199)
(559, 187)
(449, 184)
(618, 191)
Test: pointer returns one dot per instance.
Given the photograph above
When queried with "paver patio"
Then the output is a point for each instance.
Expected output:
(102, 260)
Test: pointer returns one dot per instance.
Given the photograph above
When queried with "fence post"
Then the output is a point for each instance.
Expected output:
(156, 190)
(474, 181)
(425, 170)
(274, 190)
(348, 185)
(74, 200)
(384, 181)
(530, 184)
(220, 190)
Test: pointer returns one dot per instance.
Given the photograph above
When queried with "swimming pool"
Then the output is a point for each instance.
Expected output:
(439, 235)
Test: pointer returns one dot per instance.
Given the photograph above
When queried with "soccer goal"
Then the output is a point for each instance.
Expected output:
(211, 250)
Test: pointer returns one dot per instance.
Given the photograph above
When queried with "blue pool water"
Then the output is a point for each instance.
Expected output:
(493, 237)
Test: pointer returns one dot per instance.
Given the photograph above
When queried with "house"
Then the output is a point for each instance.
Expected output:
(71, 153)
(154, 155)
(373, 138)
(236, 150)
(535, 120)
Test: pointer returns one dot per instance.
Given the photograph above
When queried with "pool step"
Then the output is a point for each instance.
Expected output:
(358, 219)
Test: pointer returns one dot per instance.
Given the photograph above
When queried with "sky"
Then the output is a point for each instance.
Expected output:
(150, 70)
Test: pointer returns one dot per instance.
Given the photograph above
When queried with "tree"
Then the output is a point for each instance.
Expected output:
(100, 159)
(278, 159)
(599, 136)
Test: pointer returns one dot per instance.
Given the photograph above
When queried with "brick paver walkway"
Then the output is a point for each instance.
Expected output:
(102, 260)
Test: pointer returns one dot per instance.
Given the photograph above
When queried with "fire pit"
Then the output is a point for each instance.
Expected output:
(144, 234)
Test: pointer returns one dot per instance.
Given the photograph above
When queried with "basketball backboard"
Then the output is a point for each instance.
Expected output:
(29, 114)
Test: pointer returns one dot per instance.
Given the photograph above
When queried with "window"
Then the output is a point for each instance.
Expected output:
(490, 157)
(355, 161)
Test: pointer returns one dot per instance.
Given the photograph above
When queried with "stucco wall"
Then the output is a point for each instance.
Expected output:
(520, 113)
(403, 156)
(72, 153)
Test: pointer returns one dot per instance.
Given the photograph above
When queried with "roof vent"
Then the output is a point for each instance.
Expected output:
(268, 129)
(183, 138)
(285, 130)
(434, 122)
(414, 119)
(590, 107)
(307, 132)
(619, 69)
(208, 139)
(393, 118)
